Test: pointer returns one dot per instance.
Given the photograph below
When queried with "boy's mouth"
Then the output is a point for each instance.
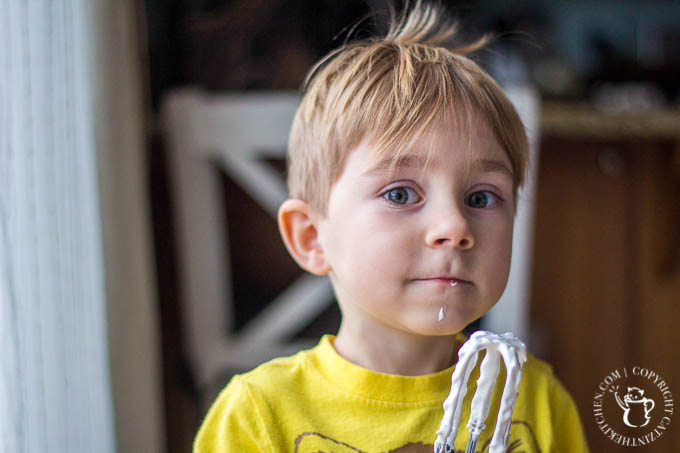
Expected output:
(451, 281)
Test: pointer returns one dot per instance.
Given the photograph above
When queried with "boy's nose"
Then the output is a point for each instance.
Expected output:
(450, 229)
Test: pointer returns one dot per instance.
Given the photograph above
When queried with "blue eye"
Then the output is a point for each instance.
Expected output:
(482, 199)
(402, 196)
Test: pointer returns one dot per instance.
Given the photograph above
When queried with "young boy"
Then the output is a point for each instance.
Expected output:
(404, 163)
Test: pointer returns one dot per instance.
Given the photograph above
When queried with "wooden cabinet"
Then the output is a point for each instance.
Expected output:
(606, 277)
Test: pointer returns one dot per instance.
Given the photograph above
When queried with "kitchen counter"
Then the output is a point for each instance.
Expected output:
(582, 120)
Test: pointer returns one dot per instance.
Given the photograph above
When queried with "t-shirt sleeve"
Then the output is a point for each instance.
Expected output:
(567, 427)
(233, 423)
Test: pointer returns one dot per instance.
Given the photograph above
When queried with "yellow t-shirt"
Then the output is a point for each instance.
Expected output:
(316, 401)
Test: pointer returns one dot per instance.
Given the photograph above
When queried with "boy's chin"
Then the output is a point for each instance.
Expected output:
(441, 328)
(446, 321)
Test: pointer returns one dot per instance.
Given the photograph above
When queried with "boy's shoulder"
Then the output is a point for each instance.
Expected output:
(540, 385)
(252, 402)
(538, 373)
(538, 367)
(283, 369)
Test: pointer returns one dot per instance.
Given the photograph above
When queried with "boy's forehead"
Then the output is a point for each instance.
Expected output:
(476, 149)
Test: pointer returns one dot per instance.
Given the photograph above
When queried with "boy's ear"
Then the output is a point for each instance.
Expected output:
(300, 234)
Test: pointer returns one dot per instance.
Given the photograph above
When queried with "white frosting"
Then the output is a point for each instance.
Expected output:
(479, 408)
(442, 312)
(453, 283)
(514, 355)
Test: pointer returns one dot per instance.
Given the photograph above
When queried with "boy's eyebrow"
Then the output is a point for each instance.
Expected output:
(389, 163)
(492, 166)
(412, 161)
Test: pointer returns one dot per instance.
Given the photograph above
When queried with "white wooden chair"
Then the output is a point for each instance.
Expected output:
(235, 132)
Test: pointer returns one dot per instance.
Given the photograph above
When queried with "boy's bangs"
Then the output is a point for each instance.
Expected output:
(395, 116)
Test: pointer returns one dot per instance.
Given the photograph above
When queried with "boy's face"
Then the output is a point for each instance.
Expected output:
(396, 239)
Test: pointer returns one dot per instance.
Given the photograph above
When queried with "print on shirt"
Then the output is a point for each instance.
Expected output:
(522, 440)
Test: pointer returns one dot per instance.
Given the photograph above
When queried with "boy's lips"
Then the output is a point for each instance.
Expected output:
(444, 280)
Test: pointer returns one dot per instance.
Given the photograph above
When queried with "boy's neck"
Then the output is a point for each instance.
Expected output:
(396, 352)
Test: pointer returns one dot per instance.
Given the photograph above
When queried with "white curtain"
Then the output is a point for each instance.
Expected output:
(54, 388)
(78, 336)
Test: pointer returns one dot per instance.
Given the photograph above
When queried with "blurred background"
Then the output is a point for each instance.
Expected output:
(142, 158)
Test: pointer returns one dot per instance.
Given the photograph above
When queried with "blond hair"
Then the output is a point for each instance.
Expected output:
(392, 90)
